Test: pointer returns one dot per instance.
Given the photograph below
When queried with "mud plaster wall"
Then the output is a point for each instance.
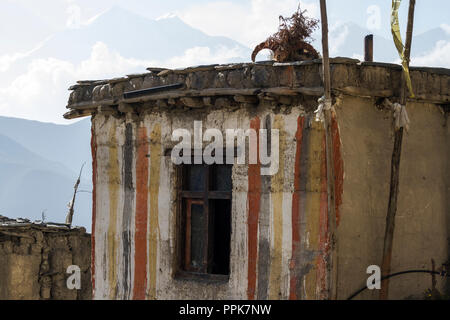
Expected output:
(33, 264)
(422, 223)
(278, 241)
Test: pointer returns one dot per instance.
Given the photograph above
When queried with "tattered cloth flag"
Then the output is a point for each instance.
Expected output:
(395, 29)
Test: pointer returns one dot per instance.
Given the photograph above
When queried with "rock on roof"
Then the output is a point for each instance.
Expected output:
(201, 86)
(21, 223)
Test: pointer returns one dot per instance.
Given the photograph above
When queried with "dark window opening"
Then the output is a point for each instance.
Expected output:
(205, 204)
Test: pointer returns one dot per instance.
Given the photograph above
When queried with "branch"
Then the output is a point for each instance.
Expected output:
(72, 203)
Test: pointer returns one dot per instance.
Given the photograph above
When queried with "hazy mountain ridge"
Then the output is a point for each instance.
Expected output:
(14, 153)
(347, 40)
(158, 40)
(30, 183)
(67, 144)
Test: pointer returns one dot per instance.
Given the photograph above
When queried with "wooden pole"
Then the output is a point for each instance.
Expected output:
(332, 255)
(325, 52)
(395, 169)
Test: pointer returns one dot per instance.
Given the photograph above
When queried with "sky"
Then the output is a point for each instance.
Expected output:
(23, 90)
(228, 17)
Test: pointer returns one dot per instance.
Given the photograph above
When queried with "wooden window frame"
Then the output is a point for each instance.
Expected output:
(185, 200)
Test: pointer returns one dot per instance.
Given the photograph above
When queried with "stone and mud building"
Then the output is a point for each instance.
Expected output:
(220, 231)
(35, 257)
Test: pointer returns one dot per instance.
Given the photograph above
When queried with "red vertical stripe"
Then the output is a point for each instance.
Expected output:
(296, 211)
(140, 255)
(338, 167)
(323, 226)
(94, 203)
(253, 198)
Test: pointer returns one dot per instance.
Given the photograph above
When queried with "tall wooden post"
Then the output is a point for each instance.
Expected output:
(395, 169)
(332, 256)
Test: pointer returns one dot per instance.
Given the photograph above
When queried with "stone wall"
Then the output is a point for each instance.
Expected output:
(34, 260)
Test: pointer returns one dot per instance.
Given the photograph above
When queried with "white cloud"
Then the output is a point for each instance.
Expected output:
(74, 19)
(446, 28)
(248, 24)
(204, 55)
(360, 57)
(167, 16)
(374, 19)
(41, 93)
(338, 35)
(438, 57)
(7, 60)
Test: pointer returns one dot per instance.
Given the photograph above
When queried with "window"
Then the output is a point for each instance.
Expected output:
(204, 196)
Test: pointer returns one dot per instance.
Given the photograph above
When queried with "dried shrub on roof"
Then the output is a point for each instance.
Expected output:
(292, 41)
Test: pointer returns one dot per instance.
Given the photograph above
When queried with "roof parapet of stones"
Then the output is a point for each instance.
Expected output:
(21, 223)
(248, 83)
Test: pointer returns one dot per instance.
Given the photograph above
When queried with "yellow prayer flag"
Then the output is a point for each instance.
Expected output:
(395, 29)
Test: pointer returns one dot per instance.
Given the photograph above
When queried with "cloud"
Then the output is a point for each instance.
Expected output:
(41, 92)
(360, 57)
(7, 60)
(205, 55)
(338, 35)
(438, 57)
(74, 19)
(446, 28)
(374, 19)
(249, 24)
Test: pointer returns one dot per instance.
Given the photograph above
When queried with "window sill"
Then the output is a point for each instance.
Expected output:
(201, 277)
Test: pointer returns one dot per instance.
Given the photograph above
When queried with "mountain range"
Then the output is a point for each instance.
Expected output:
(39, 165)
(347, 40)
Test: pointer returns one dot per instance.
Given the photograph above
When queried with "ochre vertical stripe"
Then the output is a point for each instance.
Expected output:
(338, 167)
(94, 201)
(155, 164)
(294, 265)
(140, 238)
(113, 185)
(253, 199)
(313, 203)
(277, 196)
(323, 227)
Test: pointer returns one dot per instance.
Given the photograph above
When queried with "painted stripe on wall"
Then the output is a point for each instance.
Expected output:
(155, 165)
(94, 202)
(114, 184)
(140, 253)
(304, 251)
(253, 199)
(323, 228)
(338, 167)
(264, 225)
(313, 205)
(277, 223)
(295, 261)
(102, 209)
(127, 208)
